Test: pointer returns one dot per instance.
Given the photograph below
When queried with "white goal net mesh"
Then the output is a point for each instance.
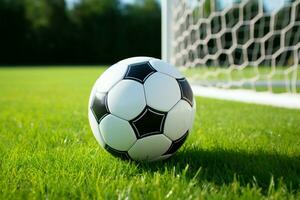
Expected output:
(253, 44)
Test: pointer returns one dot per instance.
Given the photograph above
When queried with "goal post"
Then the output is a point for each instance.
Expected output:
(238, 47)
(166, 27)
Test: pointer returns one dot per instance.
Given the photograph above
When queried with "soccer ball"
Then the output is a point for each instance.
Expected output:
(141, 108)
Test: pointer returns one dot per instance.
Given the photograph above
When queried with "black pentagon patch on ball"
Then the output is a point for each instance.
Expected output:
(177, 144)
(139, 71)
(149, 122)
(99, 106)
(119, 154)
(186, 91)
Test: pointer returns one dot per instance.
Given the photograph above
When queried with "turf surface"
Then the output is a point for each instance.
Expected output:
(47, 151)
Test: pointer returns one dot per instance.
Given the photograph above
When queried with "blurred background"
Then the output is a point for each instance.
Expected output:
(35, 32)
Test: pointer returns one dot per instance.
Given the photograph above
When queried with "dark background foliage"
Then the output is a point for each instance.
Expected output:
(92, 31)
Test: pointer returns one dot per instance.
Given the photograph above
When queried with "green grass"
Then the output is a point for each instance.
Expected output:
(47, 150)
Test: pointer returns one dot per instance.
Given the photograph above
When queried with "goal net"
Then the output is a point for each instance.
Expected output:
(241, 45)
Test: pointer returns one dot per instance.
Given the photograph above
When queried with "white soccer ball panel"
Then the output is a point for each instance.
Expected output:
(117, 133)
(95, 128)
(110, 77)
(134, 60)
(126, 99)
(165, 68)
(149, 148)
(178, 120)
(162, 92)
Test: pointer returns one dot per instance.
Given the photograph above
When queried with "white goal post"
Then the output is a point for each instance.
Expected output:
(242, 50)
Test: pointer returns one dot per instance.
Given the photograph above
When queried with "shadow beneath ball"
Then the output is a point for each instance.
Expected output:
(220, 166)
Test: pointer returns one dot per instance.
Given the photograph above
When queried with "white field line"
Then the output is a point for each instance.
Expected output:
(278, 100)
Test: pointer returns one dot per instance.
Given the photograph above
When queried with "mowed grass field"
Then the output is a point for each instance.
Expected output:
(47, 150)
